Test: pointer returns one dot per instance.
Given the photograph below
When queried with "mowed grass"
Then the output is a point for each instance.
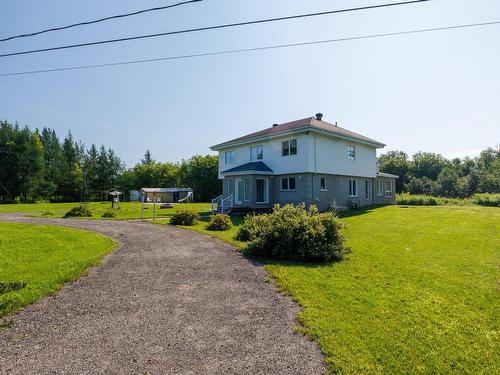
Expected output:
(418, 295)
(44, 258)
(127, 210)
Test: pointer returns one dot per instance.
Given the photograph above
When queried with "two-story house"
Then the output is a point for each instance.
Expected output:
(308, 160)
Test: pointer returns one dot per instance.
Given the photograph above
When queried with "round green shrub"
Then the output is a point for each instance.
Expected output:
(79, 211)
(184, 217)
(219, 222)
(109, 214)
(295, 233)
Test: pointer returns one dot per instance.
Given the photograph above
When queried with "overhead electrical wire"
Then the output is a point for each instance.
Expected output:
(223, 26)
(84, 23)
(278, 46)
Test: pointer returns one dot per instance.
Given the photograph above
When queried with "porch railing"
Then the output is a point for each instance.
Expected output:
(216, 203)
(221, 204)
(227, 204)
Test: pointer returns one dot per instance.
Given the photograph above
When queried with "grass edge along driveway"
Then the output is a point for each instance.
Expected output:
(37, 260)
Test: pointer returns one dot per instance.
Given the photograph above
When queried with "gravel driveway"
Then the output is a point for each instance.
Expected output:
(168, 301)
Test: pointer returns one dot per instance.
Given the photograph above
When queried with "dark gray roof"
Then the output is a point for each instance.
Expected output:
(303, 124)
(255, 166)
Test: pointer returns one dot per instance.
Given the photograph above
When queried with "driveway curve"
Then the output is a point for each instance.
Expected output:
(168, 301)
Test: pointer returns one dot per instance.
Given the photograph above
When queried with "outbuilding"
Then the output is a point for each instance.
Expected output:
(167, 195)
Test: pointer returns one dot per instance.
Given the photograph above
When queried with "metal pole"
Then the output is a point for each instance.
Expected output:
(154, 206)
(142, 206)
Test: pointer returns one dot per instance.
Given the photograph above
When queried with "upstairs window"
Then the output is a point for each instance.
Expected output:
(351, 152)
(229, 157)
(353, 188)
(289, 147)
(256, 153)
(322, 183)
(288, 183)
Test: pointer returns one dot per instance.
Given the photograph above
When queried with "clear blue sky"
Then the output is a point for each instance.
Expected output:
(436, 92)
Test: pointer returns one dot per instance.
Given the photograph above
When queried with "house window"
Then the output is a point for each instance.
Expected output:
(229, 157)
(261, 191)
(353, 188)
(367, 190)
(322, 183)
(351, 152)
(388, 188)
(256, 152)
(246, 188)
(380, 188)
(289, 147)
(288, 183)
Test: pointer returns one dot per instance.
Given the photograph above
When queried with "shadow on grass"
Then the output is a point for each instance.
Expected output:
(360, 211)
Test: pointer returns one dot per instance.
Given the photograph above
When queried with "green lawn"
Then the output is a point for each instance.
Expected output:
(128, 210)
(418, 294)
(36, 260)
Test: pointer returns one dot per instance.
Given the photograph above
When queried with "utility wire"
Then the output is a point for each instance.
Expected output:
(98, 20)
(212, 27)
(278, 46)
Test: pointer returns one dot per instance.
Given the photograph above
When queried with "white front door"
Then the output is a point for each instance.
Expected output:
(238, 191)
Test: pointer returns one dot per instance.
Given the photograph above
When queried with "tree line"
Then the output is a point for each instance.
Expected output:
(39, 166)
(433, 174)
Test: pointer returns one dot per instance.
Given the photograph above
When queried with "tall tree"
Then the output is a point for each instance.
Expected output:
(396, 162)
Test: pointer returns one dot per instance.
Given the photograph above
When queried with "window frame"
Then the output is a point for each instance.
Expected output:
(246, 190)
(323, 187)
(232, 157)
(351, 152)
(288, 179)
(380, 188)
(367, 190)
(388, 193)
(257, 147)
(287, 145)
(353, 188)
(265, 191)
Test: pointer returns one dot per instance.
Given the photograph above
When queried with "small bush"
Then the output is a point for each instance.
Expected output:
(184, 217)
(292, 232)
(486, 199)
(109, 214)
(219, 222)
(79, 211)
(48, 213)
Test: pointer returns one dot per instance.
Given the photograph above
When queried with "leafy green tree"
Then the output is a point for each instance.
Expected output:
(396, 162)
(428, 164)
(201, 174)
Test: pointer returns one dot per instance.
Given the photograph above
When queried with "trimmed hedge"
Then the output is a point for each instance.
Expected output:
(295, 233)
(219, 222)
(79, 211)
(184, 217)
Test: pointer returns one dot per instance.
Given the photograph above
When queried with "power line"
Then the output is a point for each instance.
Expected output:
(278, 46)
(246, 23)
(98, 20)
